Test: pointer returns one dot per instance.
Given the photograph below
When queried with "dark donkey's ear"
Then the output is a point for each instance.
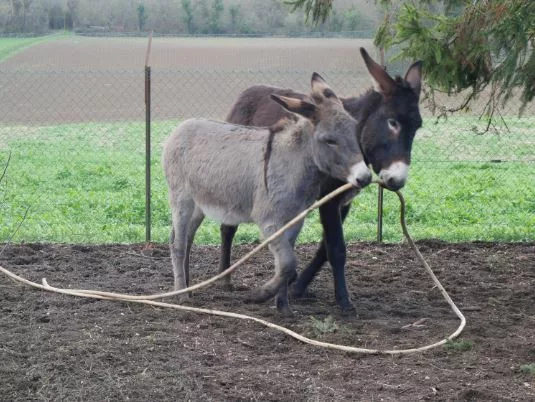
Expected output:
(414, 77)
(294, 105)
(385, 84)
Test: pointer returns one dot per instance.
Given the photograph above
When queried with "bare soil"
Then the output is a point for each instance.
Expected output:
(57, 347)
(82, 79)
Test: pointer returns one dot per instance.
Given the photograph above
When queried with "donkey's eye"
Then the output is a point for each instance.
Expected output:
(393, 124)
(331, 143)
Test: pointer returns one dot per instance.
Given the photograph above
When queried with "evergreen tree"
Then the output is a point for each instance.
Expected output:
(466, 46)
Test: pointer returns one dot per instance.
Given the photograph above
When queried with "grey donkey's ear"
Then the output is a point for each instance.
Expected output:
(294, 105)
(320, 87)
(384, 82)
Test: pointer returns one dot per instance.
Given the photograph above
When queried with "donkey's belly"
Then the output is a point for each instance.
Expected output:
(222, 215)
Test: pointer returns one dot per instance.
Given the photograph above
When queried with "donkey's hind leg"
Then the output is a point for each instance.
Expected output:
(227, 235)
(182, 211)
(194, 223)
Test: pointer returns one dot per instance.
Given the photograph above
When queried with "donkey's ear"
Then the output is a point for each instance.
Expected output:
(414, 77)
(384, 83)
(294, 105)
(319, 86)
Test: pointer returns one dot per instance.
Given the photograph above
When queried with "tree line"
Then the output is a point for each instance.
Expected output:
(179, 17)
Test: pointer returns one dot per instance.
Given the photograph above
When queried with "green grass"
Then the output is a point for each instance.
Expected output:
(85, 183)
(11, 46)
(318, 328)
(528, 368)
(459, 346)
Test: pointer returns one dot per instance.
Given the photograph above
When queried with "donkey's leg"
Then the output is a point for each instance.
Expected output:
(195, 222)
(227, 235)
(182, 211)
(333, 248)
(282, 295)
(336, 254)
(285, 269)
(308, 274)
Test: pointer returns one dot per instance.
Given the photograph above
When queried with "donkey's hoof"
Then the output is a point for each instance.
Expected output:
(285, 311)
(284, 307)
(348, 309)
(260, 296)
(299, 292)
(184, 298)
(225, 285)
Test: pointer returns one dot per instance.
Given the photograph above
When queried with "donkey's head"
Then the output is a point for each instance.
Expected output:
(334, 145)
(389, 122)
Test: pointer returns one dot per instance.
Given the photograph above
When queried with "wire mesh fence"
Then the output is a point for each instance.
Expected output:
(77, 145)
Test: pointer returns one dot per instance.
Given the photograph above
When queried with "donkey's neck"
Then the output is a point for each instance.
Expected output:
(292, 156)
(362, 107)
(294, 142)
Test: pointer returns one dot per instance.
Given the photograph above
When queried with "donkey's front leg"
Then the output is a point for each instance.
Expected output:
(333, 239)
(285, 270)
(336, 253)
(282, 296)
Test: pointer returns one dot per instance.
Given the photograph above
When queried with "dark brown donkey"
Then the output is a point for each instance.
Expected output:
(388, 117)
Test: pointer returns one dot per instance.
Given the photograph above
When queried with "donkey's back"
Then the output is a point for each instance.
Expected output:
(254, 106)
(218, 165)
(207, 143)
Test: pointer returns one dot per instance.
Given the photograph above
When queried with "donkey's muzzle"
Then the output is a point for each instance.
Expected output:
(360, 176)
(395, 177)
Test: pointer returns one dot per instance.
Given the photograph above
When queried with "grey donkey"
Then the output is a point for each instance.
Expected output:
(217, 169)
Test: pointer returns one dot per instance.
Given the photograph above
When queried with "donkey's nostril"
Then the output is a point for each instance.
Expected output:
(363, 182)
(394, 184)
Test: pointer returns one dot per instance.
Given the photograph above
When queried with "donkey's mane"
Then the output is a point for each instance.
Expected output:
(274, 129)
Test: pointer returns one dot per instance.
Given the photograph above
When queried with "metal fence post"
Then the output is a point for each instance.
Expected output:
(380, 191)
(147, 145)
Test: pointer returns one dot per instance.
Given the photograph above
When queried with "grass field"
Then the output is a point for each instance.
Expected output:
(85, 183)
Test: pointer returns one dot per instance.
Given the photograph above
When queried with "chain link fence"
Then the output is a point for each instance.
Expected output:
(77, 144)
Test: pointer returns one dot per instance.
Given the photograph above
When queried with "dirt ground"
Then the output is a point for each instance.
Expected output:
(83, 79)
(57, 347)
(80, 79)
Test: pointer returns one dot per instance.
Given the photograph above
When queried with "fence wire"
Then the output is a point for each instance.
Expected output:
(77, 144)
